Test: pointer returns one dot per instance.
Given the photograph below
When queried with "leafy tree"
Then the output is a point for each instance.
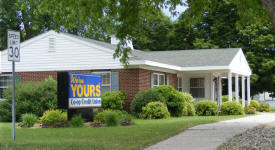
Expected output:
(22, 15)
(154, 32)
(119, 17)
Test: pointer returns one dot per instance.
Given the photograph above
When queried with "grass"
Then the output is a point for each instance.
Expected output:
(142, 134)
(272, 109)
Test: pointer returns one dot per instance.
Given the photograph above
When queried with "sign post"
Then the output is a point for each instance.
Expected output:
(13, 46)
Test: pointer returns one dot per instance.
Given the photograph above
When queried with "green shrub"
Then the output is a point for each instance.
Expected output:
(264, 108)
(52, 117)
(255, 104)
(249, 110)
(121, 116)
(77, 121)
(206, 108)
(174, 100)
(31, 97)
(29, 120)
(112, 118)
(155, 110)
(189, 110)
(176, 104)
(231, 108)
(143, 98)
(113, 100)
(225, 98)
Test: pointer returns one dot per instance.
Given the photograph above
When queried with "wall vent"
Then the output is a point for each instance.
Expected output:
(51, 44)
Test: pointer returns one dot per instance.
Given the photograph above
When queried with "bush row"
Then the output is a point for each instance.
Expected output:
(166, 97)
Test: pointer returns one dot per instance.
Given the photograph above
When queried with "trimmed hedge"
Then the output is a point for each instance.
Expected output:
(53, 117)
(143, 98)
(113, 100)
(155, 110)
(255, 104)
(249, 110)
(189, 110)
(31, 97)
(264, 108)
(231, 108)
(206, 108)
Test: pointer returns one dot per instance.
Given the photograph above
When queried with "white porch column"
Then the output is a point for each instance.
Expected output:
(243, 91)
(229, 86)
(212, 88)
(220, 91)
(248, 90)
(237, 87)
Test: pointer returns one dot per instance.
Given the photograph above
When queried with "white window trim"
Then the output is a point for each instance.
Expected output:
(197, 87)
(101, 72)
(4, 87)
(179, 84)
(158, 74)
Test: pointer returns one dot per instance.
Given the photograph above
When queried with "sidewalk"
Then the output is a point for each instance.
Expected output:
(210, 136)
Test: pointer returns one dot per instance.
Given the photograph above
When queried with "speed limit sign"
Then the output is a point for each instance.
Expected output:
(13, 45)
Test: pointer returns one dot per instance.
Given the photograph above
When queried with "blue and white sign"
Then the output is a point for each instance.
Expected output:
(84, 90)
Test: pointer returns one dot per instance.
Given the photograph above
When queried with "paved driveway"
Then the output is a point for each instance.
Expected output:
(210, 136)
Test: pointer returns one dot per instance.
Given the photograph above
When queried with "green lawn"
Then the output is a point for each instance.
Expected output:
(143, 133)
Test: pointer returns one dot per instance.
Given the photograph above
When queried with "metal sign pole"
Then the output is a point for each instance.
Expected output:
(13, 46)
(13, 101)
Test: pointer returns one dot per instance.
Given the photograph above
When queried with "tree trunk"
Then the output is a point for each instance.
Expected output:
(270, 5)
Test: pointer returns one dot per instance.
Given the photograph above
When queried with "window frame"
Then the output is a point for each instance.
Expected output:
(198, 87)
(105, 85)
(178, 85)
(158, 79)
(5, 87)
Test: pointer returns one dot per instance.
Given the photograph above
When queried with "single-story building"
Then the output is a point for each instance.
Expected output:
(198, 72)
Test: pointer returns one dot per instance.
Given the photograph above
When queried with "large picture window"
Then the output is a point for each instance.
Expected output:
(158, 79)
(105, 81)
(5, 81)
(197, 87)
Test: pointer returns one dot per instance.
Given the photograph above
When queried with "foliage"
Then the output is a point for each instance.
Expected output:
(113, 100)
(255, 104)
(249, 110)
(264, 108)
(29, 120)
(111, 118)
(143, 98)
(31, 97)
(174, 100)
(206, 108)
(176, 104)
(77, 121)
(231, 108)
(155, 110)
(52, 117)
(115, 116)
(189, 110)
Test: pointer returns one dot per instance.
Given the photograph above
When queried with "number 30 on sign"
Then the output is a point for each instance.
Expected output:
(13, 45)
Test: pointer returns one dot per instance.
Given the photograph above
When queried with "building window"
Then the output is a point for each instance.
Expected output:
(105, 81)
(158, 79)
(197, 87)
(5, 81)
(180, 84)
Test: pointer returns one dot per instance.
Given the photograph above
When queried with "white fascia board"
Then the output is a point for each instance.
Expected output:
(177, 68)
(204, 68)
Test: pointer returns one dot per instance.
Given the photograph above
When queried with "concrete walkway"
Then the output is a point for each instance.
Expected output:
(210, 136)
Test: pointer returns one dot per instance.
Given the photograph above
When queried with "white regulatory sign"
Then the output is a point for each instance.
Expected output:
(13, 45)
